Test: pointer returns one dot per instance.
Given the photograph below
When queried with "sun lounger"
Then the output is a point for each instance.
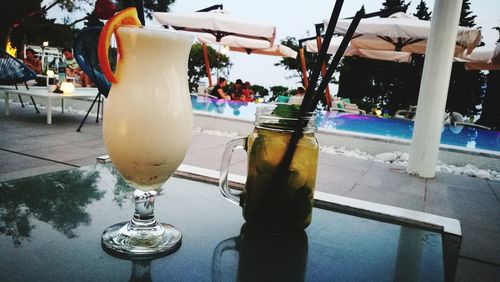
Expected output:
(406, 114)
(456, 120)
(344, 105)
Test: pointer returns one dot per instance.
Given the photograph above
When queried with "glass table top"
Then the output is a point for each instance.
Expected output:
(50, 229)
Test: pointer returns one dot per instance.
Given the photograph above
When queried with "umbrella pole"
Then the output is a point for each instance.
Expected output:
(323, 71)
(305, 82)
(207, 64)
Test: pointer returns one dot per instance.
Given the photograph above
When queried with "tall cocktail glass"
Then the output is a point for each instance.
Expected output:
(147, 130)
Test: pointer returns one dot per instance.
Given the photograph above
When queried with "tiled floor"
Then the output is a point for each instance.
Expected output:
(28, 146)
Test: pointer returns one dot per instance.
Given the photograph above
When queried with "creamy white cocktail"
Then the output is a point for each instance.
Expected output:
(147, 127)
(148, 116)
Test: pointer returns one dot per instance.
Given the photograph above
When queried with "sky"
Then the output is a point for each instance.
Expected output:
(296, 18)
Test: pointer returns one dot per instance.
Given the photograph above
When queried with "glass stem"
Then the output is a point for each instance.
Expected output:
(141, 271)
(144, 209)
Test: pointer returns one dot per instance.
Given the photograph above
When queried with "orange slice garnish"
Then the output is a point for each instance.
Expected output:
(125, 17)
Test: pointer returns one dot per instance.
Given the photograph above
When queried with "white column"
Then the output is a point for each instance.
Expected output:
(434, 88)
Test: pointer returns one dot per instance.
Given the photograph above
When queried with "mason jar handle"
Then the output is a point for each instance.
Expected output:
(239, 143)
(226, 245)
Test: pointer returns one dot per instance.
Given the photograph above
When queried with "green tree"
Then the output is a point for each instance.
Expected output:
(26, 20)
(466, 16)
(423, 11)
(467, 87)
(92, 20)
(394, 86)
(150, 6)
(371, 83)
(466, 90)
(63, 203)
(259, 90)
(490, 115)
(21, 16)
(278, 90)
(293, 64)
(393, 4)
(196, 64)
(497, 28)
(69, 5)
(37, 29)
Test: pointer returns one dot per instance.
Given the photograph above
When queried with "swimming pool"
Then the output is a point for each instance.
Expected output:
(466, 137)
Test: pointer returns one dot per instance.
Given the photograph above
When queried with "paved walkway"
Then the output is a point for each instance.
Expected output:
(28, 146)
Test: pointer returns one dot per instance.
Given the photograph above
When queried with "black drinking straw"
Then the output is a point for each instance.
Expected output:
(340, 52)
(307, 106)
(313, 79)
(282, 170)
(139, 5)
(336, 59)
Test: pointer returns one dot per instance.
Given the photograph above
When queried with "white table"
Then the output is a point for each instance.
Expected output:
(78, 94)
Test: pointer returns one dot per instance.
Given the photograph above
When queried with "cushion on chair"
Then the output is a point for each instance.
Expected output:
(13, 70)
(85, 49)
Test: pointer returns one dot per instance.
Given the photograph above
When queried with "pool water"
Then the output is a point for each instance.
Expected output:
(467, 137)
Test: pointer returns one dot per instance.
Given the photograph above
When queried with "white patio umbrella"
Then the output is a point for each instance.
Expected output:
(218, 26)
(275, 50)
(383, 55)
(403, 32)
(482, 58)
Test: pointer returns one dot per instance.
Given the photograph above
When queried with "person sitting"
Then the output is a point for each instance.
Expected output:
(247, 93)
(31, 61)
(73, 70)
(300, 91)
(218, 90)
(298, 97)
(236, 94)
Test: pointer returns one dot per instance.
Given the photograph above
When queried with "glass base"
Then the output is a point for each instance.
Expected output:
(128, 240)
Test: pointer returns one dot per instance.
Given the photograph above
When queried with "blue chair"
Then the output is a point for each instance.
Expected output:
(85, 51)
(13, 71)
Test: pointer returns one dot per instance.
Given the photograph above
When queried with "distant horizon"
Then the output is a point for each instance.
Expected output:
(296, 19)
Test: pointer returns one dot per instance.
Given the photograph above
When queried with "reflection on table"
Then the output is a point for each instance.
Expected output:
(51, 226)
